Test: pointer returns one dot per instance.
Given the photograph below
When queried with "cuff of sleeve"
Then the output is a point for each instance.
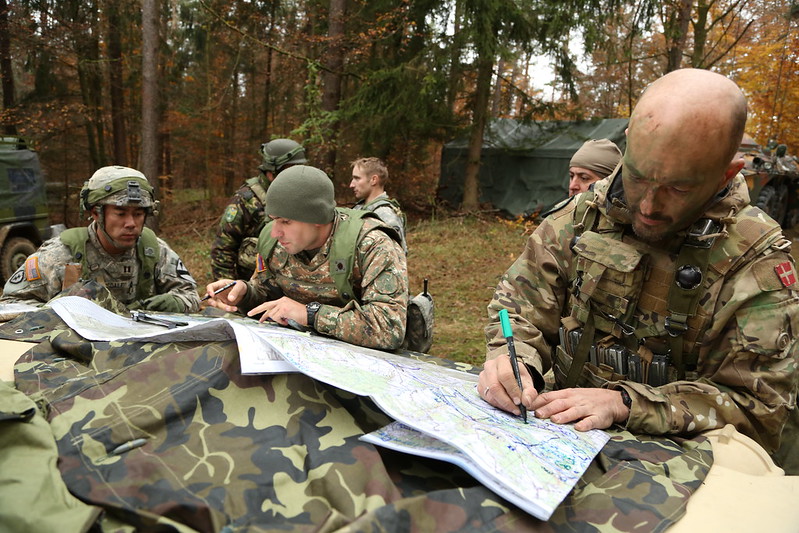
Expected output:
(326, 320)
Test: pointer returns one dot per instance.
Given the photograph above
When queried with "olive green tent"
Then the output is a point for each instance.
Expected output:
(524, 165)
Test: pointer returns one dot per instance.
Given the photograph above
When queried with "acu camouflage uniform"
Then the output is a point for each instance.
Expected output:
(233, 251)
(44, 274)
(741, 338)
(388, 209)
(373, 317)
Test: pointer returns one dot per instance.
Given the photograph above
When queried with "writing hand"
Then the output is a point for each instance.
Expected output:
(497, 385)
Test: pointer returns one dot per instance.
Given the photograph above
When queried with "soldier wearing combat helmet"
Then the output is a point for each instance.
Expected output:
(233, 250)
(661, 300)
(115, 250)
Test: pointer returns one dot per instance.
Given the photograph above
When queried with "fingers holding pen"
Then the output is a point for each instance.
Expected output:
(497, 385)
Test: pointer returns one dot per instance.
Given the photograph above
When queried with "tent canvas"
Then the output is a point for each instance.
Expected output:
(524, 165)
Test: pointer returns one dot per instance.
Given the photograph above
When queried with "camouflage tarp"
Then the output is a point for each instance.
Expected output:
(230, 452)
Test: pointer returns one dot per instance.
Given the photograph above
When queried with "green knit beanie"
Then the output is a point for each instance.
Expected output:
(301, 193)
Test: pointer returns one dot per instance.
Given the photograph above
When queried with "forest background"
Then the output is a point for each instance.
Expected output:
(188, 90)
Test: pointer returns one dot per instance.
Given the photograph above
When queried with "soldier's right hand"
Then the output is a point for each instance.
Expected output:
(228, 298)
(497, 385)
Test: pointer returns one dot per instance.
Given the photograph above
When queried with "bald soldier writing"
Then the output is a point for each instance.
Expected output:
(662, 300)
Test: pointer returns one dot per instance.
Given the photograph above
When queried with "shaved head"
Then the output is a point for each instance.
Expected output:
(692, 113)
(681, 149)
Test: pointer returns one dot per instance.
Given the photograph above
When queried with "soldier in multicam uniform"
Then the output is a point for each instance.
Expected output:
(233, 249)
(139, 269)
(338, 271)
(369, 179)
(662, 301)
(595, 160)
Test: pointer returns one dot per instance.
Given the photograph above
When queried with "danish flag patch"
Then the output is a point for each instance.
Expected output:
(786, 273)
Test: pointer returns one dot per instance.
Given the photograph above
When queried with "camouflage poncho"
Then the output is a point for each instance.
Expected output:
(222, 451)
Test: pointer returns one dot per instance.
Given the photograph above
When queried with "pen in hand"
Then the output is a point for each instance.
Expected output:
(508, 334)
(220, 289)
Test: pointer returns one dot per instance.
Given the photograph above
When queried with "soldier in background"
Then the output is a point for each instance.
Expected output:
(337, 271)
(369, 180)
(595, 160)
(139, 269)
(233, 249)
(662, 300)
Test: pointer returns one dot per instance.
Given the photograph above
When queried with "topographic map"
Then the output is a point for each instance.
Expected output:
(438, 411)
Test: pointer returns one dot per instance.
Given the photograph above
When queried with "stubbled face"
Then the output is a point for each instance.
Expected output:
(123, 224)
(296, 236)
(361, 184)
(580, 179)
(665, 199)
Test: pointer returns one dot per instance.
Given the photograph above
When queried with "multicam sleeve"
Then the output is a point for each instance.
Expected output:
(40, 277)
(378, 321)
(747, 374)
(172, 277)
(534, 291)
(230, 232)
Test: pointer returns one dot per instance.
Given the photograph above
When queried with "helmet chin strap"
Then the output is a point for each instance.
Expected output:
(101, 225)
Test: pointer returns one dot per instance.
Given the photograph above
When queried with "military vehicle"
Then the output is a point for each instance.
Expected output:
(773, 179)
(24, 220)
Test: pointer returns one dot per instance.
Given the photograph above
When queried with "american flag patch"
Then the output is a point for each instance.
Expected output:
(32, 269)
(786, 272)
(260, 266)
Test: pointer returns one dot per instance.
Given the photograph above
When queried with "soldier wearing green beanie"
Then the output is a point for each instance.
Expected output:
(337, 271)
(595, 160)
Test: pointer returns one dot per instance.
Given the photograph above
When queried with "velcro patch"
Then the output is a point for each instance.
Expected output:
(32, 271)
(260, 264)
(786, 272)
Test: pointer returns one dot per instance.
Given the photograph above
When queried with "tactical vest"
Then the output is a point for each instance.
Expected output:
(147, 251)
(388, 202)
(601, 339)
(342, 249)
(248, 248)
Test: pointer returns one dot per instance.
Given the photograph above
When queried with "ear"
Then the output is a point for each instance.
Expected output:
(733, 169)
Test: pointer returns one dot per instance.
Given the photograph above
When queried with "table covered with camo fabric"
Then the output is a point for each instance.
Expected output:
(230, 452)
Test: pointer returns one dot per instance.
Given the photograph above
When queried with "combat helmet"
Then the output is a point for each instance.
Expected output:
(119, 186)
(278, 153)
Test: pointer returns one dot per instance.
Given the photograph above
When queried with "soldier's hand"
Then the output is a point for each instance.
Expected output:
(164, 302)
(281, 310)
(591, 408)
(497, 385)
(227, 299)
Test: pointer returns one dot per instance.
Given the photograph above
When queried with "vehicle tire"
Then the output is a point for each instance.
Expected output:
(774, 201)
(791, 218)
(14, 253)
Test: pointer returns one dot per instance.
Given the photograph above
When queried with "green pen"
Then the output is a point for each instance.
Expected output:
(508, 334)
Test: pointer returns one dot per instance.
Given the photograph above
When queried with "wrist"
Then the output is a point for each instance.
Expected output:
(311, 310)
(628, 403)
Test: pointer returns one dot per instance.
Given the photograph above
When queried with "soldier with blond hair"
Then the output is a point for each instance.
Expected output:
(369, 180)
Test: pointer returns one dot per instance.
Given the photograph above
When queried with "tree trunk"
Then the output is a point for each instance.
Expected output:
(6, 70)
(676, 34)
(455, 71)
(117, 92)
(149, 121)
(471, 184)
(268, 124)
(331, 76)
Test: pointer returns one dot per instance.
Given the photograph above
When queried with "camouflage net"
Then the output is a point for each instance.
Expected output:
(229, 452)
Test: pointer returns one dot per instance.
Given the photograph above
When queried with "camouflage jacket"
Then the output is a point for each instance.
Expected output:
(41, 277)
(375, 318)
(389, 212)
(743, 333)
(233, 249)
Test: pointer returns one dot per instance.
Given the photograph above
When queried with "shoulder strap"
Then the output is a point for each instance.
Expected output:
(148, 252)
(258, 188)
(75, 239)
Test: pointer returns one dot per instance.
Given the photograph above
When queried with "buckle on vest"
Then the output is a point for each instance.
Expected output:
(675, 327)
(700, 229)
